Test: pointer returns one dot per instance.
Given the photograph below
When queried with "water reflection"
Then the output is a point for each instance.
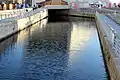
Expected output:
(81, 33)
(46, 56)
(53, 51)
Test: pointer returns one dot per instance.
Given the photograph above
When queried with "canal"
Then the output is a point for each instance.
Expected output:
(54, 50)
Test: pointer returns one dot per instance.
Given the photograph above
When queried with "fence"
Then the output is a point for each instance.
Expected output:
(85, 10)
(111, 35)
(13, 20)
(22, 15)
(12, 13)
(115, 16)
(57, 7)
(11, 25)
(93, 10)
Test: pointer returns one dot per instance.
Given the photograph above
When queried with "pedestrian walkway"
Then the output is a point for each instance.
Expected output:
(113, 25)
(110, 39)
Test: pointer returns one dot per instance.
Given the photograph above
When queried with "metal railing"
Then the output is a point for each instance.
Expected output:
(115, 17)
(107, 29)
(86, 10)
(93, 10)
(57, 7)
(82, 11)
(110, 34)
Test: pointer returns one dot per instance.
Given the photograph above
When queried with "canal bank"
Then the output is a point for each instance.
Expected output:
(27, 22)
(11, 26)
(103, 47)
(106, 35)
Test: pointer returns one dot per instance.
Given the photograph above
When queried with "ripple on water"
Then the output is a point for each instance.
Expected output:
(56, 52)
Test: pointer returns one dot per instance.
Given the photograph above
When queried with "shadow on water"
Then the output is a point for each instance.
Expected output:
(49, 50)
(7, 43)
(54, 18)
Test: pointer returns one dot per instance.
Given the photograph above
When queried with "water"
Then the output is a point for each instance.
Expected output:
(68, 50)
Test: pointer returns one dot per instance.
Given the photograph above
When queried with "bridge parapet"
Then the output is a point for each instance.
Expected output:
(57, 7)
(12, 13)
(26, 14)
(12, 25)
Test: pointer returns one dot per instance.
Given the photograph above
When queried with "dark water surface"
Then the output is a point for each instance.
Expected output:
(68, 50)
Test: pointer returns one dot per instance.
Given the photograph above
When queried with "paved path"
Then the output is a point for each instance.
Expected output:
(109, 25)
(113, 25)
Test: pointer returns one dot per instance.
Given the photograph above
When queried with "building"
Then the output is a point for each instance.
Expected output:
(48, 2)
(36, 2)
(85, 3)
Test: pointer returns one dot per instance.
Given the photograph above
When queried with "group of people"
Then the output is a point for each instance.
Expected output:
(34, 7)
(13, 6)
(20, 6)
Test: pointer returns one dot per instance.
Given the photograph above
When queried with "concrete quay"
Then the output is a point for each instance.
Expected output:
(13, 25)
(108, 31)
(110, 40)
(82, 13)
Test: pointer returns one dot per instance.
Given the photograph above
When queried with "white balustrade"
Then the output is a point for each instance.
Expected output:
(57, 7)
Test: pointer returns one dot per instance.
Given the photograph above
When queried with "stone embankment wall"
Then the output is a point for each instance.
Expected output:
(8, 27)
(110, 43)
(82, 13)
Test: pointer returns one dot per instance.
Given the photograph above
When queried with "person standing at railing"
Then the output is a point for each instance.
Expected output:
(70, 4)
(34, 7)
(75, 6)
(19, 6)
(0, 7)
(25, 6)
